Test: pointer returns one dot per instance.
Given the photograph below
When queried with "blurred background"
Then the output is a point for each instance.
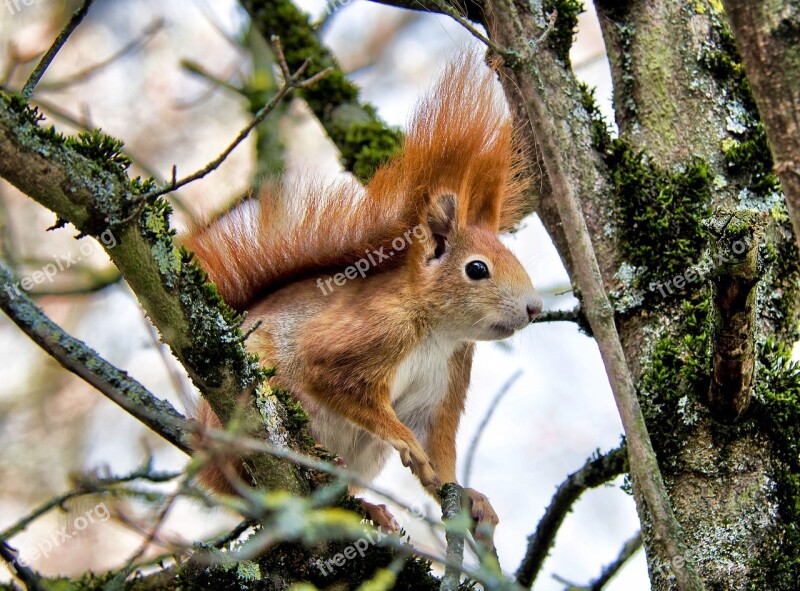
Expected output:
(165, 77)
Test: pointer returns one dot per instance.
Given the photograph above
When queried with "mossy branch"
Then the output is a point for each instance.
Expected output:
(84, 181)
(84, 362)
(541, 93)
(733, 346)
(453, 502)
(364, 141)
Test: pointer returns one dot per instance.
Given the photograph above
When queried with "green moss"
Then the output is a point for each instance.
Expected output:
(747, 152)
(101, 159)
(784, 298)
(297, 419)
(751, 160)
(365, 142)
(215, 329)
(563, 33)
(102, 148)
(678, 369)
(659, 214)
(601, 134)
(777, 413)
(364, 149)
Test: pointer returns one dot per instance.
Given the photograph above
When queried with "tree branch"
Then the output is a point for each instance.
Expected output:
(595, 471)
(453, 516)
(84, 362)
(364, 141)
(573, 315)
(84, 182)
(538, 88)
(472, 10)
(30, 578)
(41, 67)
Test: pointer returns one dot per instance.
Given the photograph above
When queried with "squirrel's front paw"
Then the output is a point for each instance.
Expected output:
(484, 516)
(413, 456)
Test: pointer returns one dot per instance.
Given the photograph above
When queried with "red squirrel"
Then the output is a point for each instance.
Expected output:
(371, 299)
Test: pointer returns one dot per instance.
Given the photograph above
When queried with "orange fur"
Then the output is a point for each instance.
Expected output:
(460, 140)
(383, 361)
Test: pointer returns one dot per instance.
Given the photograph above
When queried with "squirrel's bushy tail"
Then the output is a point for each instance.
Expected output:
(459, 141)
(290, 233)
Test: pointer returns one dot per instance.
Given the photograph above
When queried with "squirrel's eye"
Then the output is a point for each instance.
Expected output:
(477, 270)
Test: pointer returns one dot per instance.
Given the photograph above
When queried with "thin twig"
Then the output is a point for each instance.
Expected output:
(473, 445)
(459, 18)
(39, 70)
(452, 497)
(80, 76)
(291, 82)
(628, 550)
(87, 364)
(551, 24)
(87, 487)
(573, 315)
(198, 70)
(29, 577)
(595, 471)
(119, 579)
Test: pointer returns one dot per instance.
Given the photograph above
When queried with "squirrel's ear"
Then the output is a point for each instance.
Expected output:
(442, 221)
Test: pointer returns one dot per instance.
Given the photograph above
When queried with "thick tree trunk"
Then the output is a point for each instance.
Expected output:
(686, 104)
(658, 202)
(767, 33)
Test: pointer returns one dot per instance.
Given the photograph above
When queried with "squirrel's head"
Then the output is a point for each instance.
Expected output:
(475, 288)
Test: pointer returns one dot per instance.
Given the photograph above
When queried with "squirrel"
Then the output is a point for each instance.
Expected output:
(371, 298)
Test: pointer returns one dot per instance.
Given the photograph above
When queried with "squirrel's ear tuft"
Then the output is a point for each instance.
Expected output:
(442, 215)
(442, 221)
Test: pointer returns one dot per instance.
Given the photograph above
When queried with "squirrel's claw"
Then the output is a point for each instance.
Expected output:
(380, 516)
(414, 457)
(484, 516)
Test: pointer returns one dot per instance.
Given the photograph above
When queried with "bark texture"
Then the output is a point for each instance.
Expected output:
(684, 110)
(767, 33)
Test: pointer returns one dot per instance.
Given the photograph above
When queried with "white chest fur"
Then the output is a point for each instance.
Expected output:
(419, 386)
(421, 383)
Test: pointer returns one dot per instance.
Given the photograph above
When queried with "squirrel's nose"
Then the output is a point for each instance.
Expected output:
(534, 308)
